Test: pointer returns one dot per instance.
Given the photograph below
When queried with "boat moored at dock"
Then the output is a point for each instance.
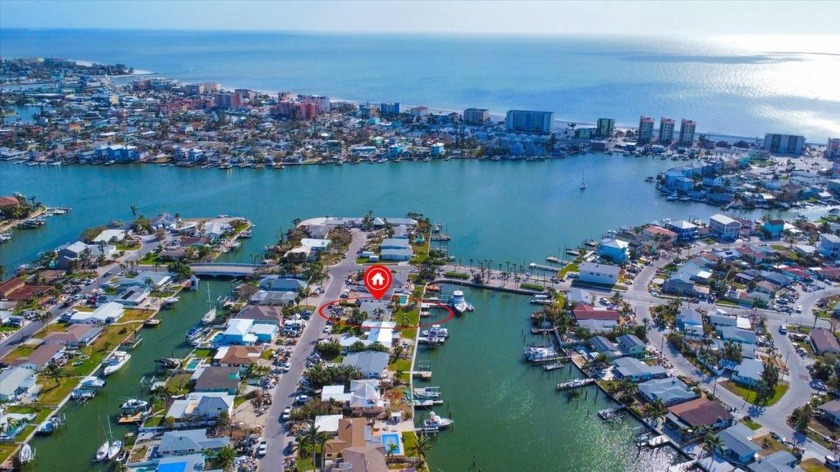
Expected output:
(115, 362)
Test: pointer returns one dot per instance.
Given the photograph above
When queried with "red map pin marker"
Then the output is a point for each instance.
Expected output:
(378, 280)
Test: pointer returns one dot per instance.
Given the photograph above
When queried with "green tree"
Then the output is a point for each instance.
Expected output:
(712, 443)
(421, 447)
(223, 458)
(53, 371)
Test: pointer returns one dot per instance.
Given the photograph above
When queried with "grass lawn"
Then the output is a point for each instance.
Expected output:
(41, 413)
(567, 269)
(133, 314)
(409, 439)
(749, 423)
(181, 382)
(769, 445)
(150, 258)
(238, 400)
(8, 329)
(813, 465)
(21, 351)
(749, 395)
(50, 328)
(52, 394)
(203, 353)
(400, 364)
(6, 450)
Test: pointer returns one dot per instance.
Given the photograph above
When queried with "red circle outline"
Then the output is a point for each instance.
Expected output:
(398, 327)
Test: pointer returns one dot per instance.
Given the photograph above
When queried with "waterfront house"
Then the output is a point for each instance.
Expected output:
(110, 236)
(245, 332)
(328, 423)
(366, 459)
(664, 238)
(669, 390)
(685, 231)
(737, 446)
(685, 418)
(335, 393)
(17, 382)
(237, 356)
(217, 379)
(200, 406)
(272, 298)
(831, 410)
(597, 326)
(276, 283)
(823, 341)
(773, 228)
(680, 283)
(104, 314)
(583, 312)
(598, 274)
(748, 372)
(630, 345)
(74, 336)
(636, 370)
(187, 463)
(41, 357)
(396, 254)
(372, 364)
(613, 249)
(604, 346)
(164, 221)
(261, 314)
(724, 228)
(191, 441)
(351, 433)
(146, 279)
(380, 332)
(576, 296)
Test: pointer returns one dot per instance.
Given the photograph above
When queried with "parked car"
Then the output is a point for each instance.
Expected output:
(287, 414)
(262, 449)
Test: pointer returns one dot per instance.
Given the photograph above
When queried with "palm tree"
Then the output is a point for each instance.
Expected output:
(392, 448)
(421, 447)
(223, 457)
(316, 440)
(54, 372)
(133, 212)
(712, 443)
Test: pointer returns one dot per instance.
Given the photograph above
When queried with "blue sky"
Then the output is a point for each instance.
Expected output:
(594, 17)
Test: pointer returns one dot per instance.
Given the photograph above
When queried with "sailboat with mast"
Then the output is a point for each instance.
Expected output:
(582, 181)
(210, 316)
(116, 446)
(102, 452)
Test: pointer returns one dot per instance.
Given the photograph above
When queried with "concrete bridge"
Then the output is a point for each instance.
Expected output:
(226, 269)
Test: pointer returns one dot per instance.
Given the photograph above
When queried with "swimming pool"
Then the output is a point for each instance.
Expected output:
(193, 364)
(403, 300)
(392, 438)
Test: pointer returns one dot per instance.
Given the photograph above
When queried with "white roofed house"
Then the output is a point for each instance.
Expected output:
(110, 236)
(599, 274)
(372, 364)
(201, 407)
(216, 229)
(179, 443)
(104, 314)
(17, 382)
(724, 228)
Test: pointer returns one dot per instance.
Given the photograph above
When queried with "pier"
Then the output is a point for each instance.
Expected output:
(223, 269)
(424, 371)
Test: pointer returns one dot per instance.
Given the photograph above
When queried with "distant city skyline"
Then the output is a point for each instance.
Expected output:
(481, 17)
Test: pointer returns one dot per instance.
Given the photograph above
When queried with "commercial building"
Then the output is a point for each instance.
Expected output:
(666, 131)
(476, 116)
(226, 100)
(784, 143)
(645, 130)
(605, 128)
(529, 121)
(687, 129)
(389, 109)
(832, 149)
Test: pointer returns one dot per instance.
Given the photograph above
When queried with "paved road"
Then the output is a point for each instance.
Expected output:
(54, 312)
(275, 432)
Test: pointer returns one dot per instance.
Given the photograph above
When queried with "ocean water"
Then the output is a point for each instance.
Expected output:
(743, 86)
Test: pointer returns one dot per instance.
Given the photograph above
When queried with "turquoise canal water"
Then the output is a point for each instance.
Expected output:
(507, 413)
(505, 211)
(73, 446)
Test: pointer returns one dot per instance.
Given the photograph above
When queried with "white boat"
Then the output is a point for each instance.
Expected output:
(458, 303)
(115, 362)
(435, 421)
(25, 455)
(437, 332)
(211, 314)
(134, 404)
(93, 382)
(209, 317)
(102, 452)
(539, 353)
(582, 183)
(114, 449)
(427, 392)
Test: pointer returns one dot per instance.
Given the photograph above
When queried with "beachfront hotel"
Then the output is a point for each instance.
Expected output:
(605, 127)
(687, 128)
(476, 116)
(529, 121)
(666, 131)
(784, 143)
(645, 130)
